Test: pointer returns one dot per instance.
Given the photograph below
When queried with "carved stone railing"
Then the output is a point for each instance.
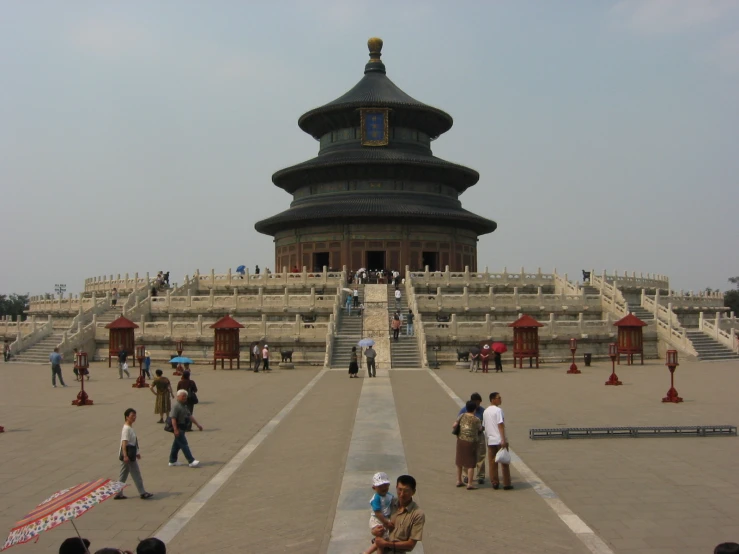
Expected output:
(675, 337)
(633, 281)
(467, 301)
(563, 286)
(37, 332)
(711, 301)
(611, 298)
(305, 278)
(725, 337)
(78, 338)
(293, 331)
(71, 305)
(123, 285)
(11, 328)
(489, 329)
(485, 278)
(241, 302)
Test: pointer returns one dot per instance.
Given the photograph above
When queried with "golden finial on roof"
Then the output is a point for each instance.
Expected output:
(375, 46)
(374, 65)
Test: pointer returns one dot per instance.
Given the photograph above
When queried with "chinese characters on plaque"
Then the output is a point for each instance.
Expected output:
(374, 127)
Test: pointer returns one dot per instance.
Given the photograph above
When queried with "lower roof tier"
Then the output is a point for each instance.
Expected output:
(352, 208)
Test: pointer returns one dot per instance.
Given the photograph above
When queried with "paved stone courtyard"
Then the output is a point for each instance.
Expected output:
(662, 495)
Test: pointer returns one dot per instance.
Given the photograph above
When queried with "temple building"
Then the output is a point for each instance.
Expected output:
(376, 196)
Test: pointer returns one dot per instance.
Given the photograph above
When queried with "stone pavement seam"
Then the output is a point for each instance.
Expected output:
(588, 537)
(169, 530)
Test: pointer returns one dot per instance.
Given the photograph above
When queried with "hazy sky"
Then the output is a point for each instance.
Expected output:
(139, 136)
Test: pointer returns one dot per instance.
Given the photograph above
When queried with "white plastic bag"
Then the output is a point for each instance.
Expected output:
(503, 456)
(125, 366)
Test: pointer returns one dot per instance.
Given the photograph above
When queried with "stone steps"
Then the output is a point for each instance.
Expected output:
(348, 334)
(404, 351)
(39, 352)
(708, 348)
(641, 313)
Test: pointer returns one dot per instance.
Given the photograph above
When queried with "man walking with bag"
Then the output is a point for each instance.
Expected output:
(122, 364)
(370, 354)
(180, 416)
(494, 422)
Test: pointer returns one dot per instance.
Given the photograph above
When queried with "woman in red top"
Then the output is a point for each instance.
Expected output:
(485, 357)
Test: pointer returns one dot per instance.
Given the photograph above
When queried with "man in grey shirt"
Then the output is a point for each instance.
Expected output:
(56, 367)
(370, 354)
(180, 416)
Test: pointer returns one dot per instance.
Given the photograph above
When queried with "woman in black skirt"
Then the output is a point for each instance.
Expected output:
(353, 366)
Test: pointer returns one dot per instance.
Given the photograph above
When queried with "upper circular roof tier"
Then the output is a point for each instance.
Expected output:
(375, 90)
(356, 208)
(375, 163)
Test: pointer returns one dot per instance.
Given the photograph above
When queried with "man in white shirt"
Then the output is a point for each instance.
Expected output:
(397, 299)
(494, 422)
(257, 354)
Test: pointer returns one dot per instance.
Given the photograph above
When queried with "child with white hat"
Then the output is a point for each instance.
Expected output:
(381, 503)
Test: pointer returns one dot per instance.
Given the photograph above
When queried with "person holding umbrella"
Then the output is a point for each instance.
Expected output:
(498, 349)
(241, 270)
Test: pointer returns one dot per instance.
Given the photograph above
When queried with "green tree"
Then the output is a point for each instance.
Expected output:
(14, 305)
(731, 297)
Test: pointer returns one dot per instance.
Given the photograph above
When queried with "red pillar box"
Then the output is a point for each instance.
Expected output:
(121, 338)
(525, 339)
(226, 343)
(141, 379)
(672, 364)
(82, 364)
(573, 348)
(613, 353)
(630, 341)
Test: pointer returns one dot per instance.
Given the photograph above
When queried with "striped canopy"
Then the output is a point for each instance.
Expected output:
(60, 507)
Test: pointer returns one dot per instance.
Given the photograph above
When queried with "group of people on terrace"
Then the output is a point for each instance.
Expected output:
(374, 276)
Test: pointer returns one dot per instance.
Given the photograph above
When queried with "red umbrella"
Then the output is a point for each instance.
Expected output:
(60, 507)
(499, 347)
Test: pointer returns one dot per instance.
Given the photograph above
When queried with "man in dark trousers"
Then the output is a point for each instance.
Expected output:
(370, 354)
(122, 355)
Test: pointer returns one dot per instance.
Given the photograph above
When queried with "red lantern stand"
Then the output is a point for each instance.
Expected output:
(613, 353)
(226, 343)
(81, 363)
(179, 347)
(121, 338)
(141, 379)
(630, 338)
(573, 348)
(525, 339)
(672, 364)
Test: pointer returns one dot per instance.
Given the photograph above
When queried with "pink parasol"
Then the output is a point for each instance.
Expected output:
(499, 347)
(63, 506)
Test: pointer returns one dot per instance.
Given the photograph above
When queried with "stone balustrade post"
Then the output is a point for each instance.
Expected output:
(523, 275)
(228, 276)
(264, 325)
(169, 298)
(580, 327)
(488, 325)
(142, 324)
(669, 315)
(200, 325)
(298, 325)
(324, 276)
(466, 297)
(313, 297)
(717, 324)
(236, 299)
(454, 325)
(169, 325)
(467, 275)
(285, 300)
(539, 295)
(552, 324)
(447, 276)
(700, 320)
(439, 299)
(284, 275)
(426, 276)
(304, 276)
(515, 297)
(212, 278)
(486, 275)
(212, 297)
(189, 299)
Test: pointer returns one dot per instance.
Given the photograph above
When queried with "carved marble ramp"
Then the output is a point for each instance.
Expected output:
(375, 446)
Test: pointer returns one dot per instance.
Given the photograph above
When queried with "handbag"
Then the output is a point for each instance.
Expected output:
(456, 428)
(131, 451)
(192, 397)
(168, 425)
(170, 429)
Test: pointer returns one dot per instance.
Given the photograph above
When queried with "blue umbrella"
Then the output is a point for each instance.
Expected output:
(181, 360)
(241, 269)
(364, 343)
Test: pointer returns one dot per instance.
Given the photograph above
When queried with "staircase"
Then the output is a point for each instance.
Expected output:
(348, 334)
(110, 315)
(404, 351)
(641, 313)
(708, 348)
(39, 352)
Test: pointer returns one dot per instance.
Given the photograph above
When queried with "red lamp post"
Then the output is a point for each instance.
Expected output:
(82, 364)
(613, 353)
(179, 347)
(573, 348)
(672, 364)
(141, 379)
